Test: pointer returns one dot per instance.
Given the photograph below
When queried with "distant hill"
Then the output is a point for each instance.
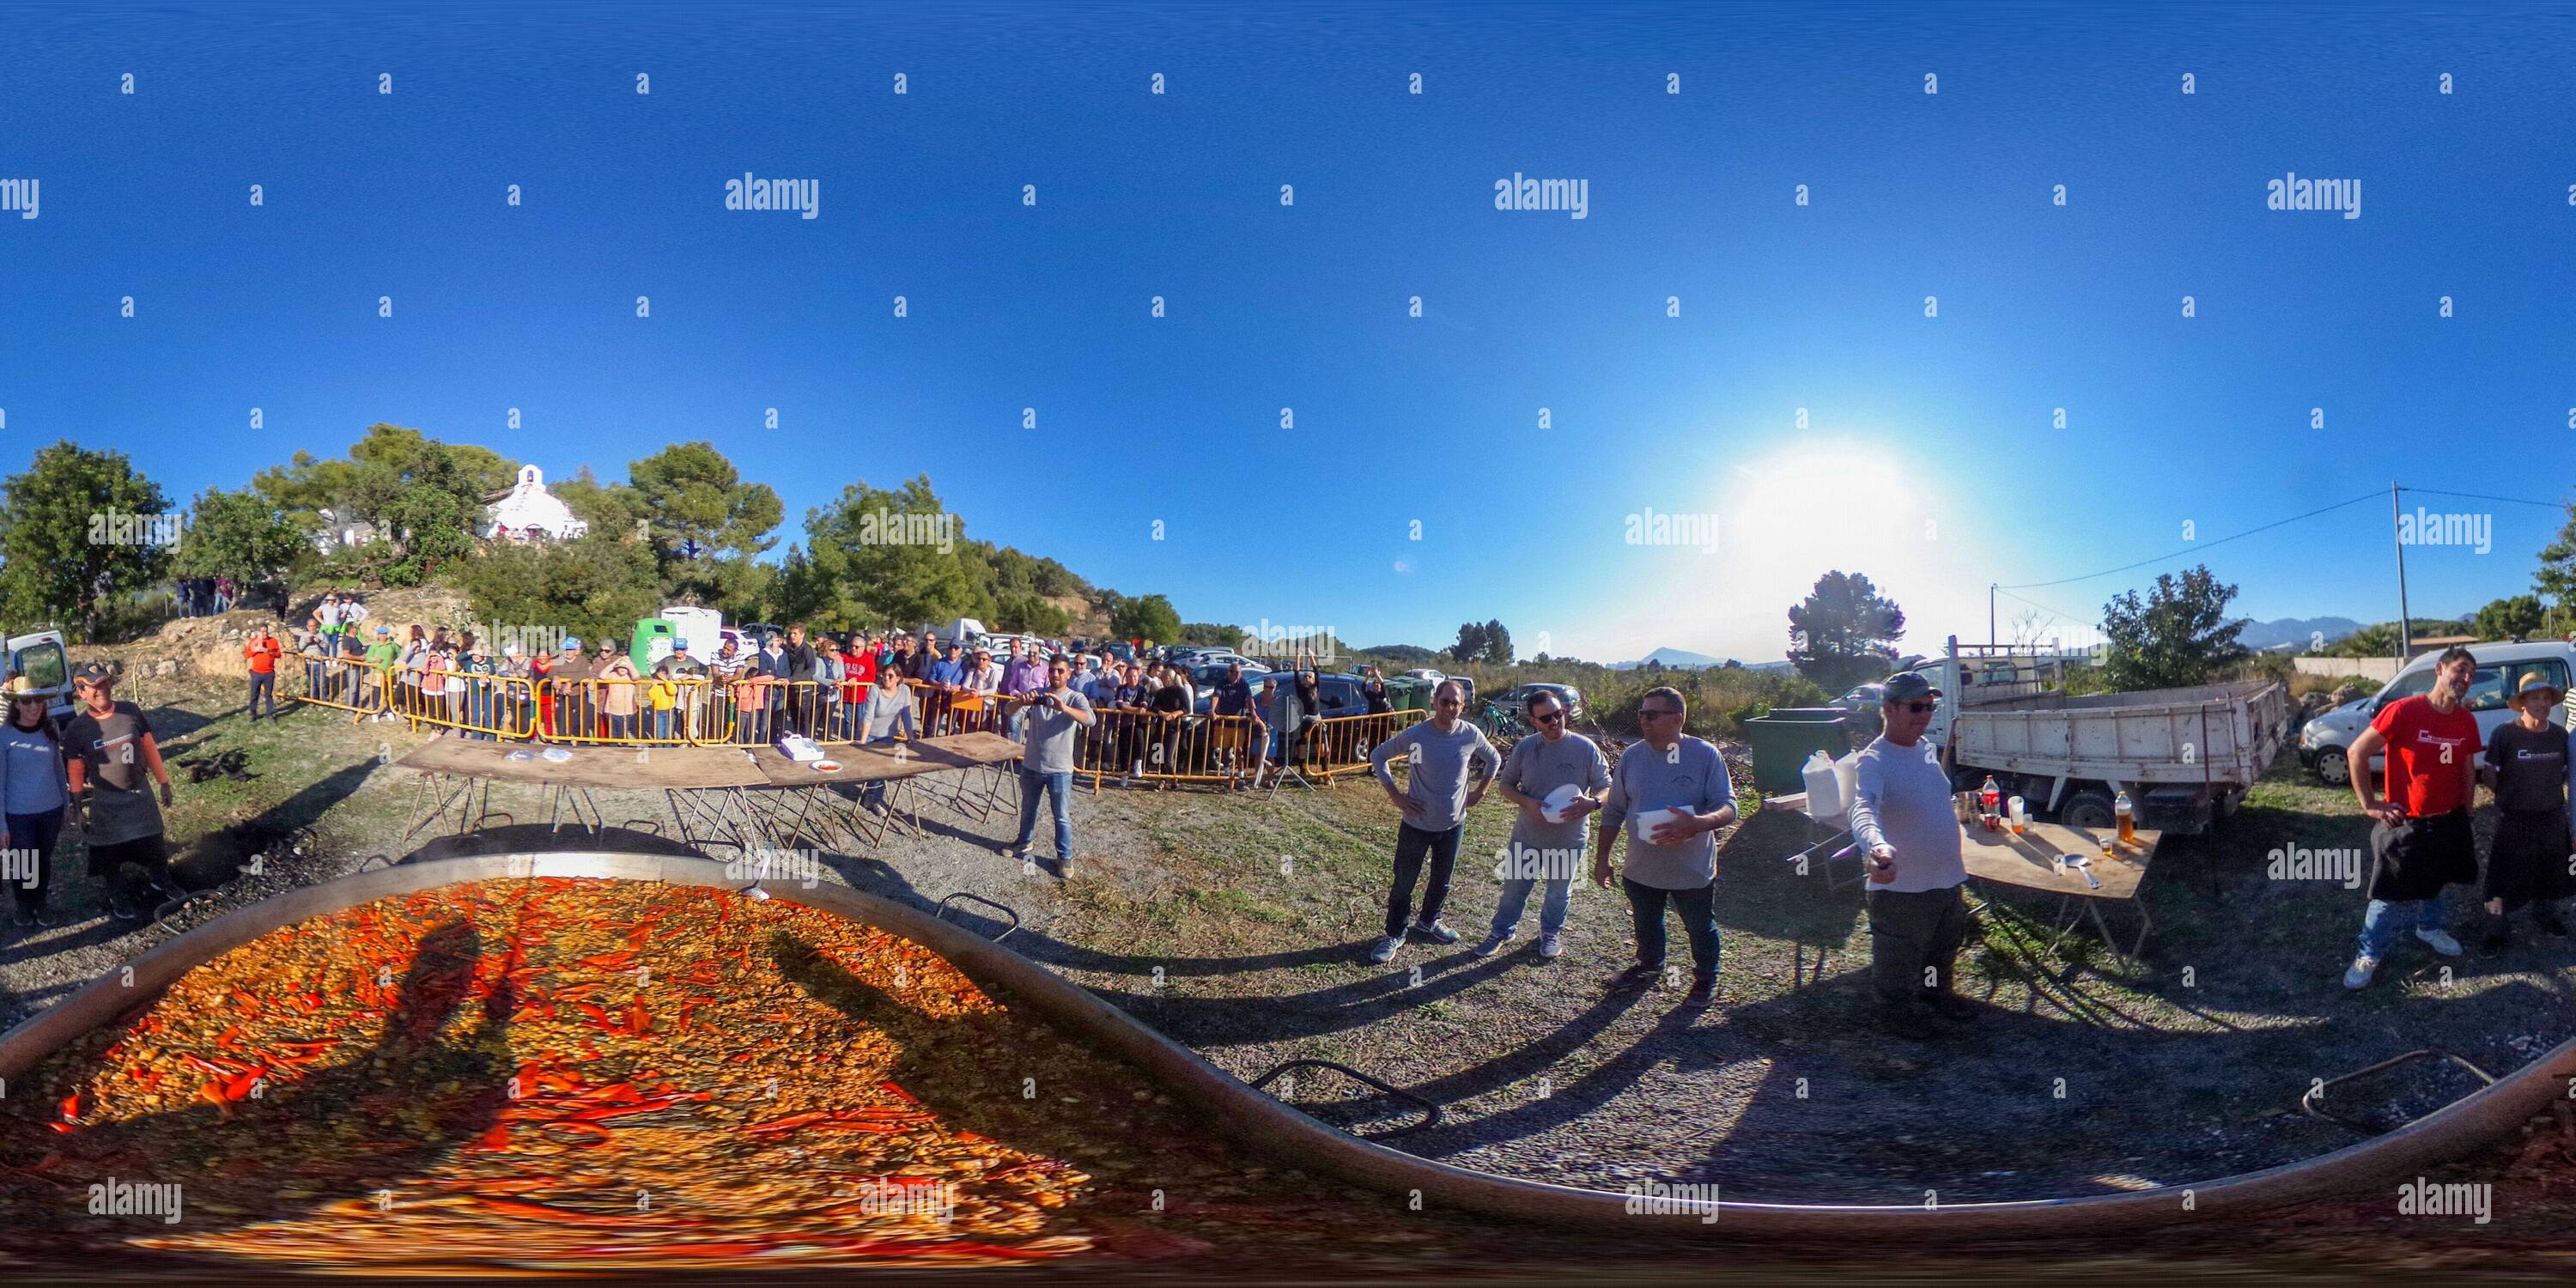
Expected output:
(1673, 659)
(2295, 632)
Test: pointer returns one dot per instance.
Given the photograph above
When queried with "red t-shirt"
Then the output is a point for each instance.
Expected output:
(262, 652)
(2426, 752)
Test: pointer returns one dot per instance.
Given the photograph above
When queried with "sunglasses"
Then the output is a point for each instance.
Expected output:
(1552, 717)
(1919, 708)
(1656, 713)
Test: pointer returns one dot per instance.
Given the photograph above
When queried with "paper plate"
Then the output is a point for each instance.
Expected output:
(1553, 807)
(556, 754)
(827, 766)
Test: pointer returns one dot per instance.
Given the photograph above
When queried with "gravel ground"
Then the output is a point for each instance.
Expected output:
(1238, 925)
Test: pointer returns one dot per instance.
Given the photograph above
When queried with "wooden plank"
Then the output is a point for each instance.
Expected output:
(875, 762)
(2025, 860)
(596, 767)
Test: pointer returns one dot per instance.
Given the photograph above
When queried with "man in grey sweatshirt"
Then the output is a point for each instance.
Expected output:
(1452, 766)
(1676, 859)
(1902, 817)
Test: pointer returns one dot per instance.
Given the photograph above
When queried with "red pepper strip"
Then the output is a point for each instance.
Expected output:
(595, 1013)
(791, 1120)
(900, 1093)
(230, 1037)
(613, 1111)
(241, 1086)
(71, 1107)
(548, 1212)
(496, 1139)
(636, 1022)
(610, 961)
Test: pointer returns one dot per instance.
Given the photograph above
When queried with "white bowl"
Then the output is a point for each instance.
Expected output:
(1553, 807)
(1643, 825)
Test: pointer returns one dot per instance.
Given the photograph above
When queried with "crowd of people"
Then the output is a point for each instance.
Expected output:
(205, 596)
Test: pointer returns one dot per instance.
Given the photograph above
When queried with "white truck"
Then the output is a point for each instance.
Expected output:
(2184, 756)
(45, 660)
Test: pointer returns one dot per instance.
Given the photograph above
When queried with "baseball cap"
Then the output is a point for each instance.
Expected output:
(679, 643)
(93, 673)
(571, 642)
(1907, 685)
(384, 630)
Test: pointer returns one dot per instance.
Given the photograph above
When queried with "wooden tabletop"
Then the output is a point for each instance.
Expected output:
(643, 768)
(2025, 860)
(883, 762)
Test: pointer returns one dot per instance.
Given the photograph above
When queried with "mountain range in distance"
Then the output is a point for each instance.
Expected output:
(2295, 632)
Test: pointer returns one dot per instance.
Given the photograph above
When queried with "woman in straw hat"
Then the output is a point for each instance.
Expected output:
(2527, 767)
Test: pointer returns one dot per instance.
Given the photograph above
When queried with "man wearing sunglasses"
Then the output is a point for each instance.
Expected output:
(1675, 860)
(1903, 818)
(1545, 848)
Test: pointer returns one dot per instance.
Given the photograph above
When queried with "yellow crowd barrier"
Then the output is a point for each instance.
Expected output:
(345, 683)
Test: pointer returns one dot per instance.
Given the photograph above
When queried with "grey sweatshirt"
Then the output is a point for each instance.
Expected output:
(1691, 777)
(1440, 769)
(1904, 804)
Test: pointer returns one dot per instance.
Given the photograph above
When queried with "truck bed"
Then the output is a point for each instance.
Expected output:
(2213, 733)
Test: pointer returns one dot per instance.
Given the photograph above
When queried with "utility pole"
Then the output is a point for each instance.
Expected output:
(2405, 620)
(1991, 641)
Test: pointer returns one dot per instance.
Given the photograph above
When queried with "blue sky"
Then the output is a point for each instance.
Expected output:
(1930, 459)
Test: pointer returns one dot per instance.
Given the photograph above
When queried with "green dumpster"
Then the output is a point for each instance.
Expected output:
(1784, 739)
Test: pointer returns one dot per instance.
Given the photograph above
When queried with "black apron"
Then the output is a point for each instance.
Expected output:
(2415, 858)
(2529, 858)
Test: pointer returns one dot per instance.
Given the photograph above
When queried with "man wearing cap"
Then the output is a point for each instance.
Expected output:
(1684, 782)
(1903, 819)
(262, 652)
(114, 762)
(382, 656)
(2422, 840)
(567, 675)
(2528, 768)
(689, 699)
(1055, 719)
(946, 675)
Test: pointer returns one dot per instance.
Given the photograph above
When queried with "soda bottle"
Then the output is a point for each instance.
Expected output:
(2128, 819)
(1990, 801)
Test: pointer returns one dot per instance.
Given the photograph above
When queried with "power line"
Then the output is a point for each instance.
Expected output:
(2196, 547)
(2481, 496)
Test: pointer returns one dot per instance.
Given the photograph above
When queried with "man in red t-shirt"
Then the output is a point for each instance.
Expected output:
(262, 651)
(2422, 840)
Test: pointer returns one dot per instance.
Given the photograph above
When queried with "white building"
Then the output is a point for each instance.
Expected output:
(529, 512)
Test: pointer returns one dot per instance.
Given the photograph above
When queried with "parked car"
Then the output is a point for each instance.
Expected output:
(1567, 695)
(1204, 679)
(1861, 708)
(2324, 741)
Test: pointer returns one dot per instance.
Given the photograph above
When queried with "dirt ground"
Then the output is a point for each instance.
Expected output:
(1238, 925)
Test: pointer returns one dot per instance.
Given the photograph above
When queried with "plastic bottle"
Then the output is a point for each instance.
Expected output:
(1990, 802)
(2128, 815)
(2020, 814)
(1824, 789)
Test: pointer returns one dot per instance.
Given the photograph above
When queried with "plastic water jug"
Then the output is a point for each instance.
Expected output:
(1824, 786)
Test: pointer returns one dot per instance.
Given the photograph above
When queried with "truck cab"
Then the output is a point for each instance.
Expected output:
(45, 660)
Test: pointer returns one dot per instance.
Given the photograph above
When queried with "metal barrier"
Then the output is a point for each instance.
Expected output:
(345, 683)
(1133, 745)
(488, 708)
(641, 712)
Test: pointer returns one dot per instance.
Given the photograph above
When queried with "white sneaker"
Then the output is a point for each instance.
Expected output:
(1551, 945)
(1385, 950)
(2362, 969)
(1488, 945)
(1010, 851)
(2440, 941)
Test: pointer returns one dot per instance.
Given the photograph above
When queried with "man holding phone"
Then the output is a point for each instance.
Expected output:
(1902, 817)
(1051, 723)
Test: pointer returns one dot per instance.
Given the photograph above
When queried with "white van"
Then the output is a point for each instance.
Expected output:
(2324, 741)
(45, 660)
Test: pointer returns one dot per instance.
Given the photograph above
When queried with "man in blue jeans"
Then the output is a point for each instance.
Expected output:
(1679, 783)
(2420, 839)
(1051, 724)
(1547, 845)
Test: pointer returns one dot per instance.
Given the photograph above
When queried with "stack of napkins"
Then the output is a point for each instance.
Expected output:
(799, 748)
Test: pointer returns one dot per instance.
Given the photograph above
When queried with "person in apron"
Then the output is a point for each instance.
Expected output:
(2527, 863)
(2422, 840)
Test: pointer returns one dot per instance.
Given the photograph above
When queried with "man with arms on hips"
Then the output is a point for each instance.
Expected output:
(2422, 840)
(1903, 818)
(1681, 782)
(1451, 766)
(1547, 847)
